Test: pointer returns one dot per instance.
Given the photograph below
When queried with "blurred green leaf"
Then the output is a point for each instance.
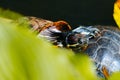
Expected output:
(24, 57)
(84, 66)
(115, 76)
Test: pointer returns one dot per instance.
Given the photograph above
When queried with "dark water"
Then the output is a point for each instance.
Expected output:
(76, 12)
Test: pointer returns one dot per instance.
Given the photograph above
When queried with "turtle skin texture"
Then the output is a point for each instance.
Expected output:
(104, 50)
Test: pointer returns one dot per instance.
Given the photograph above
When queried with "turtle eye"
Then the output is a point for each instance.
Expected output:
(71, 39)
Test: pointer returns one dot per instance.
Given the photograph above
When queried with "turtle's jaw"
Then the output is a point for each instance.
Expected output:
(78, 47)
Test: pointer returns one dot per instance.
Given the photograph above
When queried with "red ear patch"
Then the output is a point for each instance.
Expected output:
(62, 26)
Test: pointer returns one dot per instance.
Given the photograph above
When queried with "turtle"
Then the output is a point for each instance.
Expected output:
(100, 43)
(105, 50)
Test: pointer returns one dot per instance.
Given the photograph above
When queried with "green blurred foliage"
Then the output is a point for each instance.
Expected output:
(24, 57)
(115, 76)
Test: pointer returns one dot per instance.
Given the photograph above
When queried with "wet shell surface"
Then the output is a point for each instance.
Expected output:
(105, 49)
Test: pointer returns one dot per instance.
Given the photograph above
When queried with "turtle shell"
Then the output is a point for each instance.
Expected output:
(104, 49)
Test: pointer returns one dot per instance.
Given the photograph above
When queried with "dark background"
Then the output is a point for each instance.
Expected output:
(76, 12)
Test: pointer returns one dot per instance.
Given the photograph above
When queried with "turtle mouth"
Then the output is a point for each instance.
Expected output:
(78, 47)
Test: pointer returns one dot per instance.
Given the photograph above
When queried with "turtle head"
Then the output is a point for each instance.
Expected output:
(78, 39)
